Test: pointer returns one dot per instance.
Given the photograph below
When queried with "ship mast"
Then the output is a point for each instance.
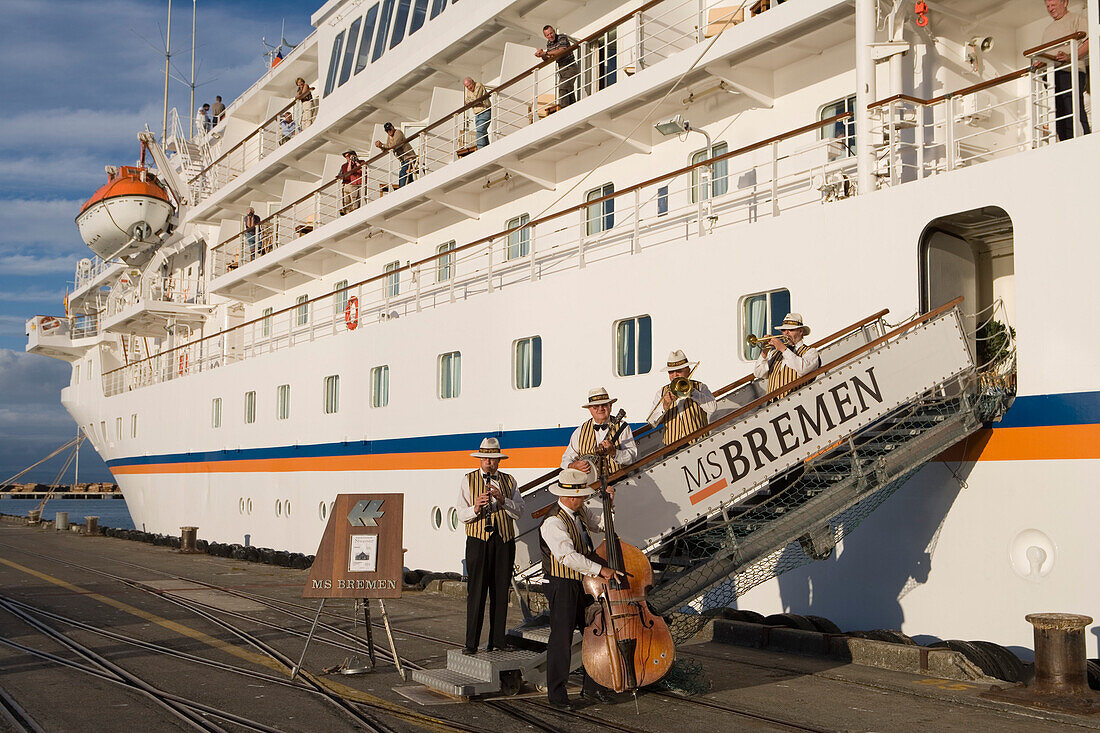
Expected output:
(865, 92)
(193, 4)
(167, 60)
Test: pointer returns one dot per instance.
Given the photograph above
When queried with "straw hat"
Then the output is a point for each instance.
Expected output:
(599, 396)
(678, 360)
(792, 321)
(572, 482)
(490, 448)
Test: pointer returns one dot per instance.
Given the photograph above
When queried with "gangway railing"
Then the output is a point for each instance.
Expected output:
(778, 481)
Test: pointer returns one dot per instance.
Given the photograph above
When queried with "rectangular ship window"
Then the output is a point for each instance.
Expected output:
(380, 386)
(216, 412)
(340, 300)
(762, 314)
(301, 313)
(282, 402)
(118, 429)
(600, 217)
(363, 58)
(133, 425)
(399, 22)
(444, 266)
(393, 279)
(450, 375)
(720, 183)
(334, 62)
(349, 52)
(265, 324)
(249, 407)
(842, 133)
(633, 346)
(419, 11)
(332, 394)
(383, 29)
(519, 241)
(527, 356)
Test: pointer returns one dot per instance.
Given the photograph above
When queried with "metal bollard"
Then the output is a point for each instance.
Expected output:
(91, 525)
(1061, 674)
(188, 536)
(61, 522)
(33, 516)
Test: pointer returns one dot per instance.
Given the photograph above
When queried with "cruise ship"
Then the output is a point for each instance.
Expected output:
(684, 175)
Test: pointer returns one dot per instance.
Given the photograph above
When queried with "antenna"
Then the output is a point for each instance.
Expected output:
(273, 54)
(193, 10)
(167, 61)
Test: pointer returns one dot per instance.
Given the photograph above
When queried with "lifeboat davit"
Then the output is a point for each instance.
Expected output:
(123, 217)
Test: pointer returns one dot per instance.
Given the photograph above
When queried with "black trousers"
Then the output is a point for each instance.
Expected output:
(567, 601)
(489, 571)
(1063, 103)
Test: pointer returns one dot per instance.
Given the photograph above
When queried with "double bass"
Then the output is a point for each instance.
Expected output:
(626, 646)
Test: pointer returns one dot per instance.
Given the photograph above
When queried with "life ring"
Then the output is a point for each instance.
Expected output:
(351, 313)
(183, 364)
(49, 323)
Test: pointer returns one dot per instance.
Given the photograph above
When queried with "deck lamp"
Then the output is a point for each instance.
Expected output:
(678, 125)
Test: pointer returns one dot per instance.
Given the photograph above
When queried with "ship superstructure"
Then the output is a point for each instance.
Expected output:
(711, 167)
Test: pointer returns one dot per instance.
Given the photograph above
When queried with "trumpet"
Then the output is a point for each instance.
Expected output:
(762, 342)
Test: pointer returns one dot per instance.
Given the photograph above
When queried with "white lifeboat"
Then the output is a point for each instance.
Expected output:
(122, 217)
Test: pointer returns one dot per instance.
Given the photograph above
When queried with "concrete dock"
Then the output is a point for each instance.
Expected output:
(98, 633)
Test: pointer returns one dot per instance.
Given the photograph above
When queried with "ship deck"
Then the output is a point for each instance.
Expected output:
(217, 632)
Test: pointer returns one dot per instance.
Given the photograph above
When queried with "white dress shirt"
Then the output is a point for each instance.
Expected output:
(513, 507)
(556, 537)
(802, 365)
(702, 395)
(625, 451)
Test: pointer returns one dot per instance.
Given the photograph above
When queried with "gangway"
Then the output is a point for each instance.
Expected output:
(776, 480)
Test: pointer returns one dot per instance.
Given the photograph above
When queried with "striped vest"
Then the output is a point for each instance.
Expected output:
(587, 443)
(499, 519)
(781, 374)
(550, 564)
(685, 417)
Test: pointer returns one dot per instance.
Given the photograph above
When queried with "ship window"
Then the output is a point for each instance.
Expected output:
(282, 402)
(322, 511)
(332, 394)
(393, 279)
(383, 29)
(662, 200)
(103, 431)
(527, 356)
(380, 386)
(601, 216)
(334, 62)
(420, 9)
(721, 182)
(265, 324)
(633, 346)
(445, 265)
(301, 313)
(762, 314)
(437, 517)
(216, 413)
(437, 7)
(249, 407)
(363, 58)
(841, 133)
(519, 241)
(118, 429)
(450, 375)
(400, 21)
(349, 52)
(133, 425)
(452, 519)
(340, 300)
(76, 373)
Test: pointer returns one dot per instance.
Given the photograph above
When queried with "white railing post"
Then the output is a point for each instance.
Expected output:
(582, 238)
(949, 130)
(489, 265)
(918, 116)
(895, 145)
(775, 178)
(637, 244)
(416, 280)
(531, 252)
(1075, 87)
(700, 21)
(639, 43)
(1032, 108)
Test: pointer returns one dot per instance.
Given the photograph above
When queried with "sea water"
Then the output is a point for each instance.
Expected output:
(111, 512)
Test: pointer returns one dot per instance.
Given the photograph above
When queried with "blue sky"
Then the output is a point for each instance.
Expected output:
(81, 79)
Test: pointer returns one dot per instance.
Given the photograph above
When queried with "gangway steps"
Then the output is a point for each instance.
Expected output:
(467, 675)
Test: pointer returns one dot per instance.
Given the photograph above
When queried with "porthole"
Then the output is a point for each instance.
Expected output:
(332, 506)
(240, 505)
(452, 518)
(322, 511)
(286, 507)
(437, 517)
(248, 506)
(278, 507)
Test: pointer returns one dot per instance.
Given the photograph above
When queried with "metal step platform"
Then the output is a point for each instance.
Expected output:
(470, 675)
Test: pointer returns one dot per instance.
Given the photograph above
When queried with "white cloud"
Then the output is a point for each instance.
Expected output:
(19, 264)
(27, 224)
(32, 295)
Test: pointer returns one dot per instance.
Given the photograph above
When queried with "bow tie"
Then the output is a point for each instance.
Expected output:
(601, 427)
(485, 477)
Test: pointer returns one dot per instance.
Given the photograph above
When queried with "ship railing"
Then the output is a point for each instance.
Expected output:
(760, 180)
(157, 289)
(75, 327)
(655, 31)
(916, 138)
(86, 275)
(84, 325)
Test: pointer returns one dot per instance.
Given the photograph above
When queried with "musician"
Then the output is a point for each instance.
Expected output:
(566, 542)
(592, 437)
(681, 415)
(488, 504)
(783, 363)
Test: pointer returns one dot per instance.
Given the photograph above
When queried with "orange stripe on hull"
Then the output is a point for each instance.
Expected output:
(1046, 443)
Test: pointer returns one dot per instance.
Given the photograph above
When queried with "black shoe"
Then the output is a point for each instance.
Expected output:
(566, 706)
(597, 696)
(469, 651)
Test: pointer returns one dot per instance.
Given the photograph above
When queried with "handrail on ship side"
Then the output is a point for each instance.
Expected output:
(503, 233)
(722, 391)
(445, 118)
(259, 130)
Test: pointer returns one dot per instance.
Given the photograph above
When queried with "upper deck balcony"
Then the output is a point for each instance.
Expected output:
(657, 48)
(60, 337)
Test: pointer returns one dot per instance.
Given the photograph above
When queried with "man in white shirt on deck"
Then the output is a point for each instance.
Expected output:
(784, 361)
(680, 414)
(592, 437)
(489, 505)
(566, 543)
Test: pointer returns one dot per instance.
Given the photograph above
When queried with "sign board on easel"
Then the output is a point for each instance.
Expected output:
(360, 557)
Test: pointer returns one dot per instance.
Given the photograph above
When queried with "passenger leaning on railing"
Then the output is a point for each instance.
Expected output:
(351, 176)
(251, 225)
(287, 128)
(557, 48)
(483, 112)
(401, 150)
(305, 106)
(1066, 24)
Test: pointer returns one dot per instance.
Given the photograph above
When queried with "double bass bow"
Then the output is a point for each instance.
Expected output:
(626, 646)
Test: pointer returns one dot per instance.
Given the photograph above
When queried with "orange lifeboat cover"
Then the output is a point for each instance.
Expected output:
(126, 182)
